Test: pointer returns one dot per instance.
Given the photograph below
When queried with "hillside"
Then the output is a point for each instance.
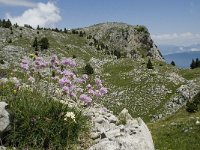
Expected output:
(119, 54)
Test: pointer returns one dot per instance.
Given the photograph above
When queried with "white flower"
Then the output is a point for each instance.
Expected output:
(14, 80)
(31, 79)
(70, 115)
(64, 102)
(4, 80)
(58, 92)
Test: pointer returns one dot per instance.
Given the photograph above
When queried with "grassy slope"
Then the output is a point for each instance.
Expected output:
(177, 132)
(137, 84)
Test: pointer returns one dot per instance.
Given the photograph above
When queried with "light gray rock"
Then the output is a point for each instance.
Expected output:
(124, 115)
(109, 135)
(2, 148)
(106, 145)
(4, 117)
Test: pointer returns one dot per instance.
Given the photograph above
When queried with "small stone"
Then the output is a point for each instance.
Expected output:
(95, 135)
(112, 119)
(113, 133)
(2, 148)
(99, 120)
(197, 122)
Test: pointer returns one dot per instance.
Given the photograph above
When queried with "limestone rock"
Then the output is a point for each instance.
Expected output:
(4, 117)
(108, 134)
(124, 115)
(2, 148)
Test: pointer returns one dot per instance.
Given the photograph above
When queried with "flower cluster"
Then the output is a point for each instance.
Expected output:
(69, 115)
(25, 64)
(62, 72)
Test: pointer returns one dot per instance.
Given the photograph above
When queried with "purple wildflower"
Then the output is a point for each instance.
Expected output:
(97, 93)
(68, 62)
(89, 86)
(24, 64)
(91, 91)
(54, 59)
(79, 80)
(64, 81)
(67, 73)
(103, 91)
(85, 76)
(98, 82)
(65, 89)
(79, 90)
(72, 87)
(71, 94)
(86, 99)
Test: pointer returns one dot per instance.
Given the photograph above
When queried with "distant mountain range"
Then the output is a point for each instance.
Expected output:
(181, 55)
(171, 49)
(184, 59)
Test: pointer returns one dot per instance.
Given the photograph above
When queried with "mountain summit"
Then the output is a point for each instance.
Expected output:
(130, 41)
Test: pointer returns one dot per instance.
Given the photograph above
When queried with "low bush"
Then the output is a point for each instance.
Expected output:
(39, 122)
(193, 105)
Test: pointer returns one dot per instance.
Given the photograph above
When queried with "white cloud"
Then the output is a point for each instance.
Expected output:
(184, 39)
(45, 15)
(194, 49)
(18, 3)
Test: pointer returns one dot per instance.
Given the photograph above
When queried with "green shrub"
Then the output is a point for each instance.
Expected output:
(89, 69)
(2, 61)
(9, 41)
(117, 53)
(173, 63)
(196, 98)
(39, 122)
(149, 65)
(191, 107)
(44, 43)
(141, 29)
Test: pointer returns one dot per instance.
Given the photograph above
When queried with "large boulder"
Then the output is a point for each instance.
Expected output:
(4, 117)
(122, 133)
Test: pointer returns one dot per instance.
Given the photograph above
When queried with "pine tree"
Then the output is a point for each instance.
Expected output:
(8, 24)
(173, 63)
(35, 43)
(149, 65)
(88, 69)
(117, 53)
(193, 64)
(197, 63)
(65, 30)
(44, 43)
(38, 27)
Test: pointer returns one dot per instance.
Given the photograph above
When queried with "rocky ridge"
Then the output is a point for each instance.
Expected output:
(131, 41)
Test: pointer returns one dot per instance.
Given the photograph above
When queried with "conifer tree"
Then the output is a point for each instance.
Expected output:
(35, 42)
(149, 65)
(193, 64)
(173, 63)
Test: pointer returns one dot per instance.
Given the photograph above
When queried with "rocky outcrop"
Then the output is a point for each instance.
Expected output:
(131, 41)
(108, 132)
(4, 117)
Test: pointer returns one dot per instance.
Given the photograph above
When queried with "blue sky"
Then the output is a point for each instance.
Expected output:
(169, 21)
